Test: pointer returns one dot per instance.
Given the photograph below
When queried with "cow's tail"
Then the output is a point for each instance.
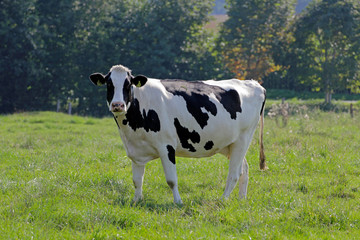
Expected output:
(261, 142)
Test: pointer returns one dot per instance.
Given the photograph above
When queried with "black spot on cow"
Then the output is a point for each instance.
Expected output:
(230, 100)
(209, 145)
(171, 184)
(127, 91)
(110, 88)
(171, 153)
(196, 95)
(185, 135)
(149, 121)
(263, 104)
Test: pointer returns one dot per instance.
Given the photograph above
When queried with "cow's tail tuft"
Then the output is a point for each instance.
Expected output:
(262, 154)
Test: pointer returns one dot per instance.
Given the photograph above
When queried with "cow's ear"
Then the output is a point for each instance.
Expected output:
(139, 80)
(97, 79)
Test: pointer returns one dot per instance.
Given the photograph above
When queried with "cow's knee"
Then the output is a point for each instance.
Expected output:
(171, 184)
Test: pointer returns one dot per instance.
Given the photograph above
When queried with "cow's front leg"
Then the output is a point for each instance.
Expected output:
(138, 171)
(168, 162)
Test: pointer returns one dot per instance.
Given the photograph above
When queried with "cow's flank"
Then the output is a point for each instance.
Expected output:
(209, 145)
(185, 136)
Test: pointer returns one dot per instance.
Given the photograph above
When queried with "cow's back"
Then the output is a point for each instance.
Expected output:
(252, 97)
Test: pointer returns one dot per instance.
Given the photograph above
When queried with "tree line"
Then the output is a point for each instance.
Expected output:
(49, 48)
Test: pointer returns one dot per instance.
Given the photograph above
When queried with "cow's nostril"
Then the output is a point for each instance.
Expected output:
(118, 106)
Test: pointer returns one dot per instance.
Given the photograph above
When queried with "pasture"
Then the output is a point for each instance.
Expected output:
(68, 177)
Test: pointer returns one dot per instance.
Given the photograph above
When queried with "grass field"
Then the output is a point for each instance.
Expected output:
(67, 177)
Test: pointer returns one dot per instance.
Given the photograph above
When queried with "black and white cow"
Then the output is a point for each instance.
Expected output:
(168, 118)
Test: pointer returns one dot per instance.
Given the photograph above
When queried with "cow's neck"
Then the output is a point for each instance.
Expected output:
(116, 118)
(119, 120)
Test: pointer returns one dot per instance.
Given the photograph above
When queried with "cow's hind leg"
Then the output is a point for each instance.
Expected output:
(244, 179)
(168, 162)
(237, 166)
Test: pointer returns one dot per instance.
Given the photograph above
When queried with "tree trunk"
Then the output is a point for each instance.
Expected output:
(328, 97)
(326, 75)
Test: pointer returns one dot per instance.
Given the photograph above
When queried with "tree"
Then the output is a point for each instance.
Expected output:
(325, 53)
(49, 48)
(101, 33)
(56, 39)
(154, 38)
(17, 46)
(249, 35)
(37, 40)
(157, 34)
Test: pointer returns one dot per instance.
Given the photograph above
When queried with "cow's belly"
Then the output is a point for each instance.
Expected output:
(201, 154)
(143, 147)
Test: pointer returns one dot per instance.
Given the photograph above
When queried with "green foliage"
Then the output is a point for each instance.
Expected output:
(17, 48)
(325, 53)
(162, 30)
(249, 35)
(67, 177)
(49, 48)
(307, 95)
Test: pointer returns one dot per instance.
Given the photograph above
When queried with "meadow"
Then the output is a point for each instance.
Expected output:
(68, 177)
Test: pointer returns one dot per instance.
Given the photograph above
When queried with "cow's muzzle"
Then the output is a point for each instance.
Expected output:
(117, 107)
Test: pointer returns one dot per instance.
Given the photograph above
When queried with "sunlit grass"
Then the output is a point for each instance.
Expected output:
(67, 177)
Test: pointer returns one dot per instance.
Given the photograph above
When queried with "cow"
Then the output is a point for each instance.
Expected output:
(167, 118)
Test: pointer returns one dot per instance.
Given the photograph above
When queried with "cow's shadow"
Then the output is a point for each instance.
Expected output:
(154, 206)
(149, 204)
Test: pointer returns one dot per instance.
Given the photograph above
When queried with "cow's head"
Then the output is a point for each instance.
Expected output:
(119, 82)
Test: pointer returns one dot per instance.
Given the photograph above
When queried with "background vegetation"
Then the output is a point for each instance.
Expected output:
(67, 177)
(49, 48)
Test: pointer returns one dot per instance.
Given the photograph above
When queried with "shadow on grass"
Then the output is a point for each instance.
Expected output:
(187, 207)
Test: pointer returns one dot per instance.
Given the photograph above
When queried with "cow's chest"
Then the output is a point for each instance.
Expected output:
(140, 145)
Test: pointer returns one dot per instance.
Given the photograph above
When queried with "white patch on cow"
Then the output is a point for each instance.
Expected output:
(204, 110)
(119, 68)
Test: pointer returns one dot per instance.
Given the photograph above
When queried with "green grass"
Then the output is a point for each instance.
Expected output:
(67, 177)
